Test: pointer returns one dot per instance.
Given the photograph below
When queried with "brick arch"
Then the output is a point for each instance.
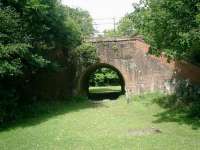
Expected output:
(84, 79)
(141, 71)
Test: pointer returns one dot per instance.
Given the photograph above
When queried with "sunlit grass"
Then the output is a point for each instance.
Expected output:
(105, 89)
(106, 125)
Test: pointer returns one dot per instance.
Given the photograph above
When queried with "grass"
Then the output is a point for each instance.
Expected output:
(102, 92)
(106, 125)
(105, 89)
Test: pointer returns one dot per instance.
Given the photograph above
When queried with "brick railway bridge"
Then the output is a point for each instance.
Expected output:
(139, 72)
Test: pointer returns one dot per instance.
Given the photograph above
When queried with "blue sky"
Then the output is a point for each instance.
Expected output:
(103, 11)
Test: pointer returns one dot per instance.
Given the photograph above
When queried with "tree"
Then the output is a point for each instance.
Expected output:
(15, 47)
(29, 30)
(104, 77)
(171, 27)
(125, 28)
(85, 55)
(83, 19)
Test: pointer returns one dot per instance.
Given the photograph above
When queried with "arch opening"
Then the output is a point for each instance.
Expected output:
(102, 81)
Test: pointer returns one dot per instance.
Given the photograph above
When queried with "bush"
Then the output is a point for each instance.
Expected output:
(29, 31)
(8, 105)
(187, 91)
(194, 110)
(187, 97)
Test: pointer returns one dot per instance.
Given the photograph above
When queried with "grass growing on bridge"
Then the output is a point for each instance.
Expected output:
(110, 125)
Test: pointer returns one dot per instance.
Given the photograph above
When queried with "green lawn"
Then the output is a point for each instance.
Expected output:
(109, 125)
(105, 89)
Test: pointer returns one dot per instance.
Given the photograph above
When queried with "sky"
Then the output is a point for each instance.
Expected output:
(103, 11)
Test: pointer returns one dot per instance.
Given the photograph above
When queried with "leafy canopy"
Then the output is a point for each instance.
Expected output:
(125, 28)
(171, 27)
(104, 77)
(30, 29)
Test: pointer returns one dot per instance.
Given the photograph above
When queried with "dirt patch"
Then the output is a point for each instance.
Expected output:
(146, 131)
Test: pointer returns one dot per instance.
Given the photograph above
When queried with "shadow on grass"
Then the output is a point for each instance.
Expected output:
(176, 110)
(42, 111)
(102, 96)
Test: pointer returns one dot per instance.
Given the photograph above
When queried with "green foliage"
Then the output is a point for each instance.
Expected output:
(115, 47)
(86, 54)
(29, 30)
(12, 43)
(125, 28)
(82, 19)
(188, 94)
(8, 104)
(111, 33)
(171, 27)
(104, 77)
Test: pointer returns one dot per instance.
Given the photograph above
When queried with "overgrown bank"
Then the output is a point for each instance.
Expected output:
(37, 39)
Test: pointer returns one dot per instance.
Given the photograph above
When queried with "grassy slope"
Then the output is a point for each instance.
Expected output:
(102, 126)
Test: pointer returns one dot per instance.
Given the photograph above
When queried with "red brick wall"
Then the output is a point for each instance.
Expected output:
(143, 72)
(188, 71)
